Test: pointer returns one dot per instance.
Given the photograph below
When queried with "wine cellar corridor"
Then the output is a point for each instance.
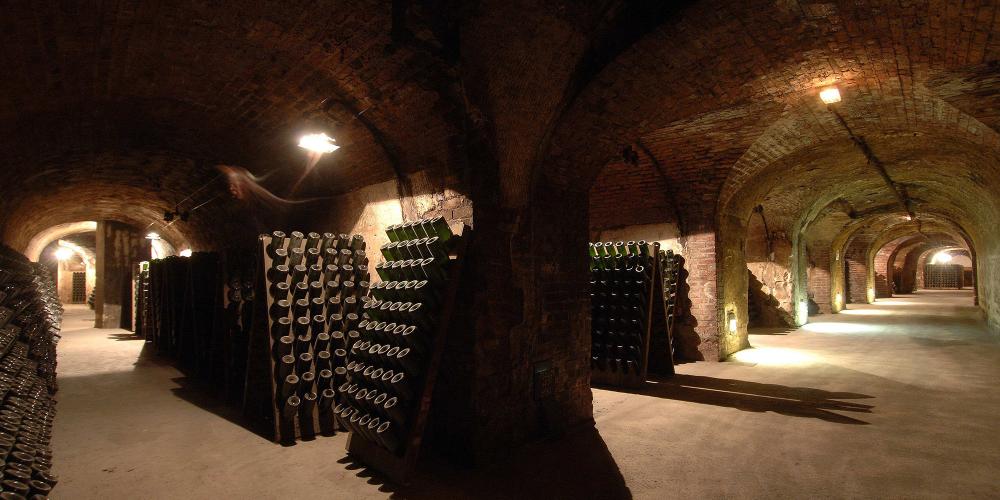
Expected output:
(503, 250)
(863, 386)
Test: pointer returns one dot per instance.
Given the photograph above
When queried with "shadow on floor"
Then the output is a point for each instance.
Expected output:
(771, 330)
(756, 397)
(579, 465)
(124, 337)
(208, 399)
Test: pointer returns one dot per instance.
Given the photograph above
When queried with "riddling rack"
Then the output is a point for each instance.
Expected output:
(662, 357)
(314, 286)
(623, 284)
(392, 368)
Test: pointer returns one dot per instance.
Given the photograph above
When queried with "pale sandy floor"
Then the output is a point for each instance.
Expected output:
(895, 400)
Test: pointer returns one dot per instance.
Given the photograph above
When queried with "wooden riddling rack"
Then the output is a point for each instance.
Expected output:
(634, 309)
(196, 310)
(662, 343)
(623, 284)
(313, 287)
(391, 370)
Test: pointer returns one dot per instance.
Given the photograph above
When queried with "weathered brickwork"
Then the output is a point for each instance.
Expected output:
(540, 124)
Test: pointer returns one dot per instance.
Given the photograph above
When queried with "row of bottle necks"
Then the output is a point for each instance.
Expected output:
(296, 240)
(616, 365)
(616, 351)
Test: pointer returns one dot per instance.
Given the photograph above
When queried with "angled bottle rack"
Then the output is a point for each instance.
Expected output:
(391, 370)
(313, 288)
(623, 286)
(662, 341)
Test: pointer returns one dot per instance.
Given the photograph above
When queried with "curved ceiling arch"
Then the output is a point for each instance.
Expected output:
(38, 242)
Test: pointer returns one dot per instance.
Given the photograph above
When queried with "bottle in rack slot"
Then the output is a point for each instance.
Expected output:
(314, 284)
(388, 359)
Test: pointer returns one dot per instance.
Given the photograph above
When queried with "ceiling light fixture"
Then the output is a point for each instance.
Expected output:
(318, 143)
(830, 95)
(152, 236)
(941, 258)
(63, 253)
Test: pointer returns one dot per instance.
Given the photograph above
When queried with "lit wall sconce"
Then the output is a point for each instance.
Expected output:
(731, 319)
(871, 295)
(839, 300)
(803, 309)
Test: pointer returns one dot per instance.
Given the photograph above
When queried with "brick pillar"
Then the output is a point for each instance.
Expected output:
(698, 330)
(119, 250)
(819, 278)
(883, 271)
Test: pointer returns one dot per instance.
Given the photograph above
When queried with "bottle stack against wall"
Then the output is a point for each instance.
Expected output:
(621, 292)
(388, 367)
(316, 285)
(30, 315)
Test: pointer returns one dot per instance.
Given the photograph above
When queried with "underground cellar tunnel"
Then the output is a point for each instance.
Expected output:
(438, 249)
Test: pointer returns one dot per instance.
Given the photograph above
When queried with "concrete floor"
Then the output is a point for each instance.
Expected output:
(893, 400)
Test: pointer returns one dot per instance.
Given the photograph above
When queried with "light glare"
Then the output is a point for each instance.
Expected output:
(63, 253)
(773, 356)
(830, 95)
(941, 258)
(185, 253)
(318, 143)
(152, 236)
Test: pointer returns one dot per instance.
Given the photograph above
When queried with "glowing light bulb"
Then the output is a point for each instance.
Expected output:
(318, 143)
(152, 236)
(840, 299)
(731, 316)
(941, 258)
(830, 95)
(63, 253)
(185, 253)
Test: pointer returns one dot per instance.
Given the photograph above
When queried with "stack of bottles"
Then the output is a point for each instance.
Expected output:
(30, 314)
(317, 284)
(620, 274)
(386, 368)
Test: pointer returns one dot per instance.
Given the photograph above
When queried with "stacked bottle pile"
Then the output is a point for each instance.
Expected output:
(386, 368)
(620, 286)
(30, 314)
(316, 287)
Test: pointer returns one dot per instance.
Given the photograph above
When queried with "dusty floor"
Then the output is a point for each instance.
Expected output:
(895, 400)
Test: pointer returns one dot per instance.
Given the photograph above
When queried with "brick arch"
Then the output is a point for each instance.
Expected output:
(135, 188)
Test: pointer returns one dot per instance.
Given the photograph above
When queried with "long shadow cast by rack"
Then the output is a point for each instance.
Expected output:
(124, 337)
(756, 397)
(579, 465)
(200, 395)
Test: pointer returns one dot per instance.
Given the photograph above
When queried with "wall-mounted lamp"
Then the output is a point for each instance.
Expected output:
(318, 143)
(839, 300)
(152, 236)
(731, 319)
(830, 95)
(185, 253)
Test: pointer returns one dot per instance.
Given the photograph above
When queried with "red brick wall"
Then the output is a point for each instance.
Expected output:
(856, 274)
(883, 274)
(699, 330)
(819, 278)
(627, 195)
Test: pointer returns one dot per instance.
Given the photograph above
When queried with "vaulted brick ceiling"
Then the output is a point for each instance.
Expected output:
(92, 86)
(122, 110)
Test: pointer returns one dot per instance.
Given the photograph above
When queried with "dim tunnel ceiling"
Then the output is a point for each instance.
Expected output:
(725, 97)
(121, 110)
